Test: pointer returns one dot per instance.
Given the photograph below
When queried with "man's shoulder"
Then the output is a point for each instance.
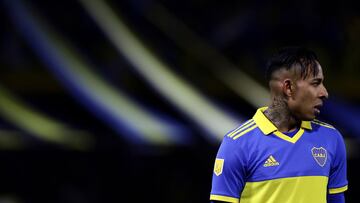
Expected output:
(321, 124)
(326, 128)
(243, 130)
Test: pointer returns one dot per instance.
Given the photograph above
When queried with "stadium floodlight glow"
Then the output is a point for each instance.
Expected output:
(232, 76)
(345, 114)
(41, 126)
(176, 90)
(120, 112)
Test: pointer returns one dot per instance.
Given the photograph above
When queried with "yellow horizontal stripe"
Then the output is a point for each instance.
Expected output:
(245, 131)
(224, 198)
(309, 189)
(246, 124)
(338, 190)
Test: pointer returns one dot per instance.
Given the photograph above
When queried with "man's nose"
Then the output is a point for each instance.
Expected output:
(324, 93)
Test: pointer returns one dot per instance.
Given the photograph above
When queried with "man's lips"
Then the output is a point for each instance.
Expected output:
(317, 108)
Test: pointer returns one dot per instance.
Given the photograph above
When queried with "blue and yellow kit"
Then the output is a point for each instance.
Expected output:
(257, 163)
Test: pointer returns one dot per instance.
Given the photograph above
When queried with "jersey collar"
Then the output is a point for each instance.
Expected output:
(267, 127)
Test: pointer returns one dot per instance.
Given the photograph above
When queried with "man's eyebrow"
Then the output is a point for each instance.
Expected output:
(317, 79)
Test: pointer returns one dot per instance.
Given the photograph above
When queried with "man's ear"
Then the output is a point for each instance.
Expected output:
(287, 87)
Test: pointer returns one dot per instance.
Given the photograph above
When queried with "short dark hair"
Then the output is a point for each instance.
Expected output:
(287, 57)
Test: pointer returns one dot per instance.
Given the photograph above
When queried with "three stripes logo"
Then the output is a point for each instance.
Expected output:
(271, 162)
(322, 124)
(243, 129)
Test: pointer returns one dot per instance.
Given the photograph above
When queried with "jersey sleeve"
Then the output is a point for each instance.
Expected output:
(229, 173)
(337, 180)
(336, 198)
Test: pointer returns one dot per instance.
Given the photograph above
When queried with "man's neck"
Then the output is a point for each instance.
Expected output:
(279, 114)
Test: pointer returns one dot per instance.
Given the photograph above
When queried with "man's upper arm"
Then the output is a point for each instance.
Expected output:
(336, 198)
(229, 172)
(337, 179)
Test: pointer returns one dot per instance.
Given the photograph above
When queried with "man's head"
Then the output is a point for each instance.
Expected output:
(296, 78)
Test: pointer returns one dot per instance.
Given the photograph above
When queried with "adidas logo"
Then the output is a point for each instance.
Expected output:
(271, 162)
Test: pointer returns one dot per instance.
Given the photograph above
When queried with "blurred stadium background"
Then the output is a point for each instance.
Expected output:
(127, 101)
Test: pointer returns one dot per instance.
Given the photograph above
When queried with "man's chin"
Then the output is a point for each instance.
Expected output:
(309, 117)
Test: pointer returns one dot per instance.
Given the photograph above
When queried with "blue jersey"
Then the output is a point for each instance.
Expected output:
(257, 163)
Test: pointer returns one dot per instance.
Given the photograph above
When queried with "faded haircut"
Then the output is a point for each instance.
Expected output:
(288, 57)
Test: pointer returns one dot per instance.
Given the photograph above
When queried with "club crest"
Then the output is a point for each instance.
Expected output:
(218, 168)
(320, 155)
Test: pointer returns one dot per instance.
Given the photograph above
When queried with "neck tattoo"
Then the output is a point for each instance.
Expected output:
(279, 114)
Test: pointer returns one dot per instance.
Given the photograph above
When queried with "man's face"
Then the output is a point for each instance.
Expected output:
(308, 96)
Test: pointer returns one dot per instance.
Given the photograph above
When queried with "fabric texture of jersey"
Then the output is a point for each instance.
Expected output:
(257, 163)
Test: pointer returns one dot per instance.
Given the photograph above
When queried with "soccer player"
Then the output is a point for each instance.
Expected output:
(283, 154)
